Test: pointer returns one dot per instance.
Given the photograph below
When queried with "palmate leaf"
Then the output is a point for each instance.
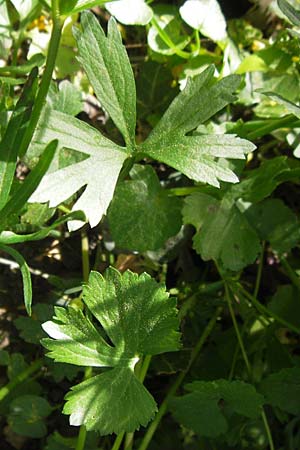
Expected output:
(138, 319)
(195, 156)
(203, 408)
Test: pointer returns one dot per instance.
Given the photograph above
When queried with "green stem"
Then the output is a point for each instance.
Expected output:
(20, 378)
(290, 272)
(288, 121)
(197, 40)
(259, 271)
(268, 431)
(181, 191)
(247, 363)
(118, 441)
(267, 312)
(168, 41)
(81, 438)
(58, 23)
(163, 407)
(141, 376)
(237, 331)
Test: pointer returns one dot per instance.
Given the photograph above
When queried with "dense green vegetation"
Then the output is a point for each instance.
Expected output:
(149, 225)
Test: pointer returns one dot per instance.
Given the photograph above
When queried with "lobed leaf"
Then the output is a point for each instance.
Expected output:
(108, 68)
(137, 318)
(195, 156)
(203, 408)
(98, 173)
(91, 403)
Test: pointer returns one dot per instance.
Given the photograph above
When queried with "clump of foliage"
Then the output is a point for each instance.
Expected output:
(149, 184)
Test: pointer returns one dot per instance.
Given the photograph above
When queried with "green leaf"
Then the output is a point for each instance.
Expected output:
(27, 414)
(275, 223)
(223, 232)
(195, 156)
(138, 319)
(282, 390)
(91, 402)
(205, 16)
(206, 408)
(142, 216)
(66, 99)
(26, 277)
(30, 327)
(285, 304)
(130, 12)
(9, 145)
(261, 182)
(24, 191)
(98, 173)
(108, 68)
(291, 13)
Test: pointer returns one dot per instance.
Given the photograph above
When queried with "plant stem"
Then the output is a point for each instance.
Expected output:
(81, 438)
(290, 272)
(58, 23)
(181, 191)
(80, 443)
(286, 122)
(247, 363)
(163, 407)
(168, 41)
(118, 441)
(259, 271)
(197, 40)
(267, 312)
(141, 376)
(237, 331)
(20, 378)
